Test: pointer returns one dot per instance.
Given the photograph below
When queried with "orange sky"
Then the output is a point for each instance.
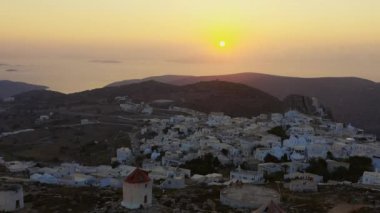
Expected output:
(75, 40)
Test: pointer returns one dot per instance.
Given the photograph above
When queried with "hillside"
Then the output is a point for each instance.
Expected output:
(351, 100)
(11, 88)
(231, 98)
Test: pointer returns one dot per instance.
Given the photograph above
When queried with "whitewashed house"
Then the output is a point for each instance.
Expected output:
(124, 155)
(137, 190)
(78, 179)
(218, 119)
(43, 118)
(9, 99)
(340, 149)
(261, 153)
(269, 168)
(44, 178)
(85, 121)
(298, 154)
(302, 182)
(11, 198)
(294, 167)
(371, 178)
(295, 141)
(301, 130)
(247, 176)
(130, 107)
(174, 181)
(147, 109)
(277, 117)
(317, 150)
(375, 163)
(19, 166)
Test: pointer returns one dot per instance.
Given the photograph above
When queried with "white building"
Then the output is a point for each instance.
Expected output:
(269, 168)
(302, 182)
(130, 107)
(11, 198)
(124, 155)
(85, 122)
(137, 190)
(218, 119)
(148, 110)
(19, 166)
(293, 167)
(302, 186)
(317, 150)
(371, 178)
(261, 153)
(174, 181)
(247, 176)
(9, 99)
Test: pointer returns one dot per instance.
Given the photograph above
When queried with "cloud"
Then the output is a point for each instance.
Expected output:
(3, 65)
(11, 70)
(106, 61)
(195, 60)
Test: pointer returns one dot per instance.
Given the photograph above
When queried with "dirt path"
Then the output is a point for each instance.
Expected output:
(346, 208)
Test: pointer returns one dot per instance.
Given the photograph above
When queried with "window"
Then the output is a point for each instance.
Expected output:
(146, 185)
(145, 199)
(17, 204)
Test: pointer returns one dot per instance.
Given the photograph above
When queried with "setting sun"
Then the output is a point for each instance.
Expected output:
(222, 43)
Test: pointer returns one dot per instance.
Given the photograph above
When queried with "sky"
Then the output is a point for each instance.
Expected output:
(74, 45)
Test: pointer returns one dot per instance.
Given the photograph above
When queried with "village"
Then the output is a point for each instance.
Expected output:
(248, 160)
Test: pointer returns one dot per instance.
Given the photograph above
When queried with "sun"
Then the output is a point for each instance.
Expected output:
(222, 44)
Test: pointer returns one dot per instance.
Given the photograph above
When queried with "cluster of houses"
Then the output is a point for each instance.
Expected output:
(9, 99)
(127, 105)
(237, 141)
(266, 144)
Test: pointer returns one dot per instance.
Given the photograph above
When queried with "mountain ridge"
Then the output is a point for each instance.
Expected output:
(233, 99)
(351, 99)
(11, 88)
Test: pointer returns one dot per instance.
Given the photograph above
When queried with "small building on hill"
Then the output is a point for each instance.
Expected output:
(247, 176)
(11, 198)
(137, 190)
(371, 178)
(302, 182)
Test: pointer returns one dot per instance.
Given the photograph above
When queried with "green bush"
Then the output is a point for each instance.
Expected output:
(279, 131)
(319, 167)
(357, 166)
(203, 165)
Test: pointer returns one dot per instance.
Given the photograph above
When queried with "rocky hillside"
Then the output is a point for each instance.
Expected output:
(351, 100)
(231, 98)
(11, 88)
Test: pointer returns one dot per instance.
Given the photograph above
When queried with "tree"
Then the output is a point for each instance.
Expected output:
(330, 155)
(276, 176)
(319, 167)
(203, 165)
(357, 166)
(285, 167)
(284, 158)
(279, 131)
(225, 152)
(339, 174)
(271, 159)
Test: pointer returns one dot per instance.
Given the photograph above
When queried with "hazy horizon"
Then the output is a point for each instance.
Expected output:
(76, 45)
